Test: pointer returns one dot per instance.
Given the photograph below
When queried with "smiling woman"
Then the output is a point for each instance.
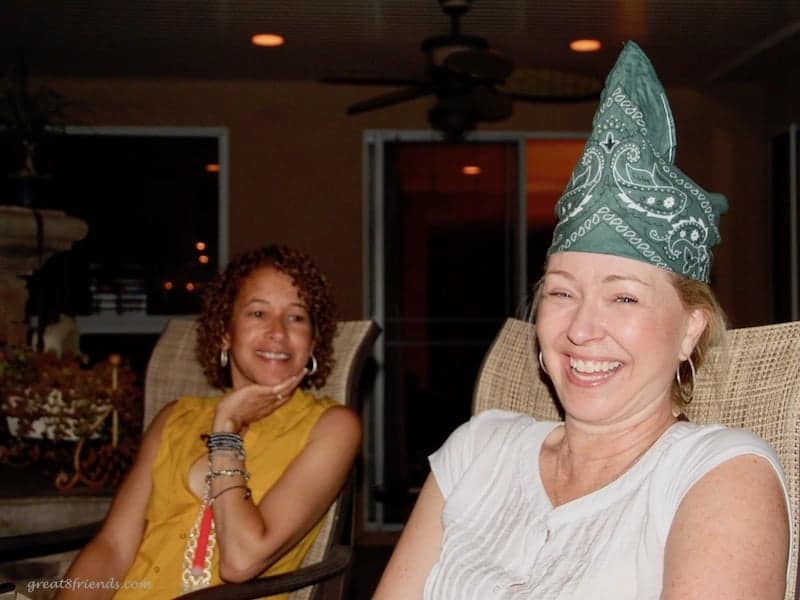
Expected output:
(270, 336)
(599, 318)
(256, 468)
(311, 294)
(625, 499)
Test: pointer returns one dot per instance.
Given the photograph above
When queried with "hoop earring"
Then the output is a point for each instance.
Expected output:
(686, 396)
(223, 358)
(313, 368)
(541, 363)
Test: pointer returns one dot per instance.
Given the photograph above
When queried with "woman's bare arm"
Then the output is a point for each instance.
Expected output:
(730, 536)
(417, 550)
(249, 537)
(112, 551)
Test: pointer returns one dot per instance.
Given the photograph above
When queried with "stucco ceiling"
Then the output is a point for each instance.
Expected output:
(692, 42)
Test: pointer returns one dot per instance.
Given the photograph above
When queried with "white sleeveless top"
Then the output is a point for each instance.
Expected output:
(504, 540)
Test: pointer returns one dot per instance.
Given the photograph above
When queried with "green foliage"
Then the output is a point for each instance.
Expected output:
(71, 395)
(78, 423)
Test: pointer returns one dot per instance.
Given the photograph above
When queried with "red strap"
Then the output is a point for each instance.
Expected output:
(199, 562)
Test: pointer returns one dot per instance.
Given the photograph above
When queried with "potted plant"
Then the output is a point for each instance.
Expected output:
(54, 405)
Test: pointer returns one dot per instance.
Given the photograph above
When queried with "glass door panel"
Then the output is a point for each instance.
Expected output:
(450, 252)
(450, 266)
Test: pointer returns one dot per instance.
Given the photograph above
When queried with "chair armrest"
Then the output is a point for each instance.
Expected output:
(17, 547)
(337, 560)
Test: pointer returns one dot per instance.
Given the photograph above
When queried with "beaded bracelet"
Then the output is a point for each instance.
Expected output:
(221, 435)
(221, 441)
(212, 474)
(226, 453)
(247, 495)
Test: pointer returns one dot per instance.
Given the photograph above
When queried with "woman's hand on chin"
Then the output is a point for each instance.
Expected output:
(253, 402)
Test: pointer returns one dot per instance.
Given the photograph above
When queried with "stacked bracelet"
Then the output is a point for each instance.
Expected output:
(212, 474)
(247, 494)
(222, 441)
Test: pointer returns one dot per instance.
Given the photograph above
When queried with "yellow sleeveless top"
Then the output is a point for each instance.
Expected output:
(270, 444)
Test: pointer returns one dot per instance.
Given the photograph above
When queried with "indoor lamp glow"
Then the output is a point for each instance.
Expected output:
(269, 40)
(585, 45)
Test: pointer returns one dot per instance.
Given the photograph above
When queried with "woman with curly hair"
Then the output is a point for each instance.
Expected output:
(233, 487)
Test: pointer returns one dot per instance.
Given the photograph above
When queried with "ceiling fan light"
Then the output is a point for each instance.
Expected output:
(269, 40)
(585, 45)
(447, 118)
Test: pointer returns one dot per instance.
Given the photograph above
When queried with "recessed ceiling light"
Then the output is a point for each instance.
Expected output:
(267, 39)
(471, 170)
(585, 45)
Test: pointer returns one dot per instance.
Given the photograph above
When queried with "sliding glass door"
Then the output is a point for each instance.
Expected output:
(449, 232)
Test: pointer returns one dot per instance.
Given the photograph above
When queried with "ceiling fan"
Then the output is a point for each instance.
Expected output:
(472, 82)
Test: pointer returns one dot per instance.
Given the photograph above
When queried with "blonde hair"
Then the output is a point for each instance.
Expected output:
(694, 295)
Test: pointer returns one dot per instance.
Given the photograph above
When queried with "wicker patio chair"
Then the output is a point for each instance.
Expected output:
(751, 381)
(173, 371)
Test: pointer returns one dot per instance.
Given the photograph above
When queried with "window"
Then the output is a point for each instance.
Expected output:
(155, 200)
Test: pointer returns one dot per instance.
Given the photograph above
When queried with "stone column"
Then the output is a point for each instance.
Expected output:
(19, 257)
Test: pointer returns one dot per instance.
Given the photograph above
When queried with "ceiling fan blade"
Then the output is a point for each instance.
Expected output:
(483, 65)
(390, 98)
(550, 85)
(357, 80)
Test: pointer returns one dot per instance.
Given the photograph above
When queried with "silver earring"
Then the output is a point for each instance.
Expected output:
(686, 396)
(541, 363)
(313, 368)
(223, 358)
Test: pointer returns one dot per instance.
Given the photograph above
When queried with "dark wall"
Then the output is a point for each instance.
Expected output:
(296, 164)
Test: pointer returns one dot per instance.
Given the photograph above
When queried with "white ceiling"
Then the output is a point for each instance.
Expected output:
(691, 42)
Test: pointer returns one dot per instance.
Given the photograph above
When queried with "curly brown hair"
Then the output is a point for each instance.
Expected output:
(220, 294)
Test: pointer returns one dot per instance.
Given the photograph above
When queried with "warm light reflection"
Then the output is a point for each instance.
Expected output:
(585, 45)
(212, 168)
(202, 259)
(168, 285)
(471, 170)
(267, 39)
(190, 287)
(200, 246)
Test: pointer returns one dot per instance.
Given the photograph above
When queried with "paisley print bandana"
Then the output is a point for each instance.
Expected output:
(626, 197)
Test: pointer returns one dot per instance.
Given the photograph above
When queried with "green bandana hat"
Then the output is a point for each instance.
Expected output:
(626, 197)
